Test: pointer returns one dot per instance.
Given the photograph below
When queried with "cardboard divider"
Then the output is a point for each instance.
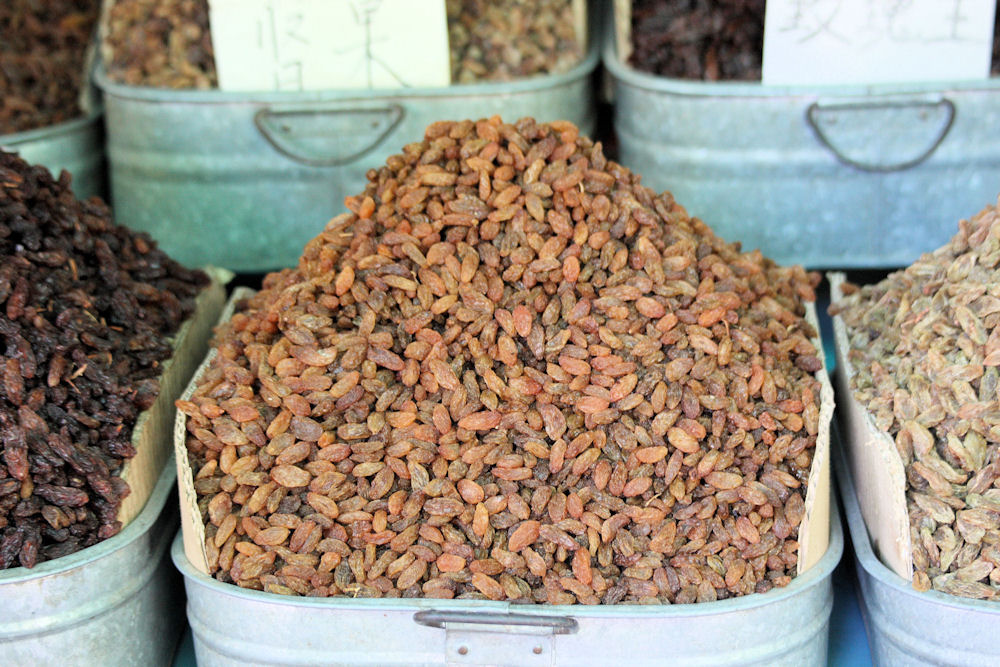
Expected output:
(102, 51)
(623, 29)
(192, 526)
(580, 25)
(150, 436)
(89, 98)
(814, 533)
(875, 464)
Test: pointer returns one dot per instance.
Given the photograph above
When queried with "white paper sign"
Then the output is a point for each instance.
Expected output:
(876, 41)
(329, 44)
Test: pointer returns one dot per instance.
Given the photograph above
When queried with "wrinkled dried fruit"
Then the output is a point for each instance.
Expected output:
(925, 349)
(43, 48)
(86, 311)
(502, 428)
(501, 40)
(721, 40)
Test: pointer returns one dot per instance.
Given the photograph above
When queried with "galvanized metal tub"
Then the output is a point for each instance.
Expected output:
(838, 176)
(244, 180)
(118, 602)
(906, 627)
(76, 146)
(235, 626)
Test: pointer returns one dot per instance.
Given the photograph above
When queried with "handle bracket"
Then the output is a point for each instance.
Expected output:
(882, 136)
(320, 135)
(488, 638)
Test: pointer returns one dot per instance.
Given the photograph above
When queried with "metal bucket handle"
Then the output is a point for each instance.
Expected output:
(327, 136)
(816, 109)
(526, 623)
(487, 638)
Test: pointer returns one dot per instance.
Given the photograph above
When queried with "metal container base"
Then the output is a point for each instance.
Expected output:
(906, 627)
(115, 603)
(234, 626)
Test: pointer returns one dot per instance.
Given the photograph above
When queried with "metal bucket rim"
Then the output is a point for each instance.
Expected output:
(623, 73)
(51, 131)
(133, 531)
(865, 555)
(532, 84)
(814, 576)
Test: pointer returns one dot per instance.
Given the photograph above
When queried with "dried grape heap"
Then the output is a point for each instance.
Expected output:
(160, 43)
(85, 311)
(43, 49)
(168, 44)
(925, 348)
(511, 372)
(503, 40)
(710, 40)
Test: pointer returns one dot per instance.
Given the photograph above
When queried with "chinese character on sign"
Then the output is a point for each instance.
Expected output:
(874, 41)
(329, 44)
(810, 18)
(365, 54)
(279, 32)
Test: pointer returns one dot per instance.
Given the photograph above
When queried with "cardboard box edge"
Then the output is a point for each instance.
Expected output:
(623, 29)
(580, 25)
(192, 526)
(877, 469)
(814, 533)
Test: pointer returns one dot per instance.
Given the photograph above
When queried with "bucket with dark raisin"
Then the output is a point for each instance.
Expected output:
(511, 377)
(99, 331)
